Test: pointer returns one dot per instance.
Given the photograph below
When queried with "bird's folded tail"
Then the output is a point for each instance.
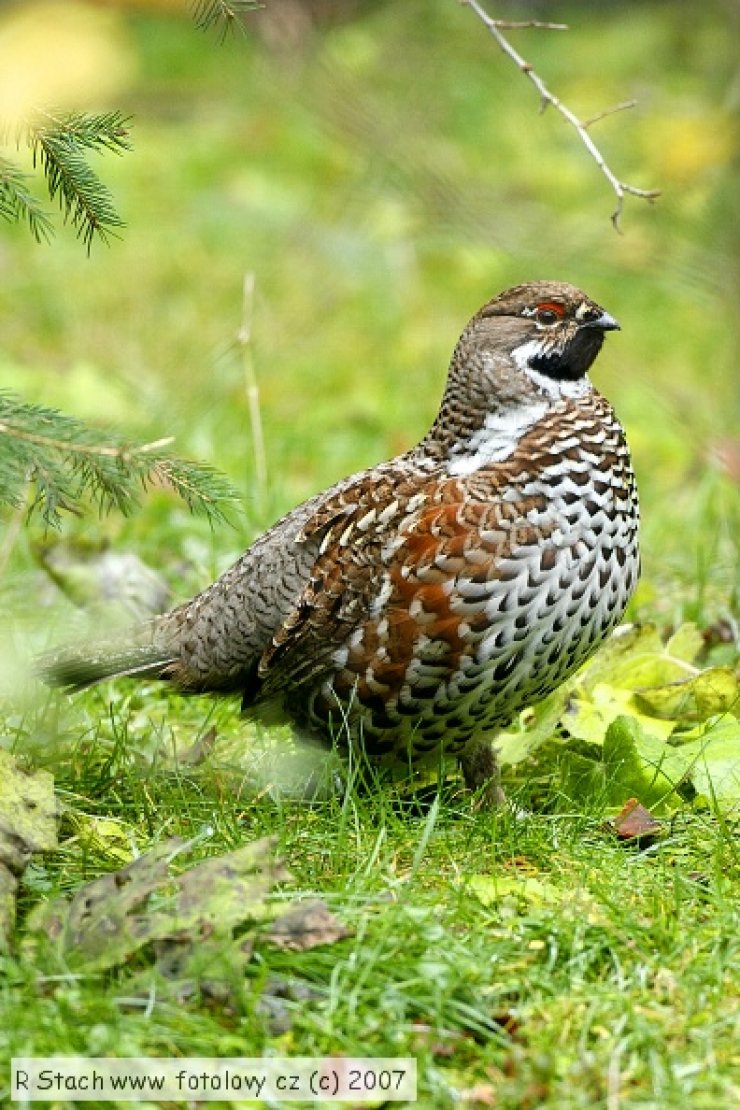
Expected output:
(77, 668)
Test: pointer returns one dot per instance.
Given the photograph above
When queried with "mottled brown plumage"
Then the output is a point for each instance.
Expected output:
(417, 606)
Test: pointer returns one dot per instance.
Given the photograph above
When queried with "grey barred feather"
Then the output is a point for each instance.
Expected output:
(74, 670)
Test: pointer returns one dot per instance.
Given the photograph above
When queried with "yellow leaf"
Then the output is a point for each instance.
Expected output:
(694, 699)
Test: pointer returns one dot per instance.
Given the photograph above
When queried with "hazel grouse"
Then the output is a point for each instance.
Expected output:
(414, 608)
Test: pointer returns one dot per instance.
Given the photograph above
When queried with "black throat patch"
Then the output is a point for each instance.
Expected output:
(571, 361)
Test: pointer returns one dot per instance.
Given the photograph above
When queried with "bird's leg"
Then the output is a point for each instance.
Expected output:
(481, 773)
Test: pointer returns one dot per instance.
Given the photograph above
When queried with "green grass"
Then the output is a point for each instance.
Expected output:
(532, 958)
(616, 969)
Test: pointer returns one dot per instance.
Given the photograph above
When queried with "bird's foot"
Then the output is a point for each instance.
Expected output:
(481, 775)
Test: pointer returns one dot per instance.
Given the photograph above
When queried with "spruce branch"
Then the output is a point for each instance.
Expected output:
(224, 14)
(621, 188)
(59, 145)
(17, 204)
(66, 463)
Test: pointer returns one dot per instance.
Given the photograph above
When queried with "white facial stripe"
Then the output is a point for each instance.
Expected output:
(551, 387)
(531, 349)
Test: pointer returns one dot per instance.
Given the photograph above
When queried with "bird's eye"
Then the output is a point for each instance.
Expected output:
(549, 313)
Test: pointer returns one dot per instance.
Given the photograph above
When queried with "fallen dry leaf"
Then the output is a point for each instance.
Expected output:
(521, 864)
(279, 1000)
(306, 925)
(635, 822)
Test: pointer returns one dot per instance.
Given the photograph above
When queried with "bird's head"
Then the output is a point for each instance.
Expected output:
(549, 330)
(525, 351)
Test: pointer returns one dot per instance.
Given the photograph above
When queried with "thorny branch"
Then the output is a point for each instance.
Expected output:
(621, 188)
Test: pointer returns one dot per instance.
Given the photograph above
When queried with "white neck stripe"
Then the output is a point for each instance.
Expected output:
(497, 439)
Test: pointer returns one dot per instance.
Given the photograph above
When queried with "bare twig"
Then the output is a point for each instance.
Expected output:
(520, 24)
(622, 107)
(620, 188)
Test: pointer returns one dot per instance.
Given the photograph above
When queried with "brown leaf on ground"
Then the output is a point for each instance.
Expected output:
(306, 925)
(509, 1022)
(281, 998)
(634, 822)
(521, 864)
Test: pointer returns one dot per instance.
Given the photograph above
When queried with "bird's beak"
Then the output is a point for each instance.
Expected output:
(605, 322)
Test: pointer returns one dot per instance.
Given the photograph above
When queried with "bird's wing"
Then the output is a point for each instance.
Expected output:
(352, 527)
(383, 574)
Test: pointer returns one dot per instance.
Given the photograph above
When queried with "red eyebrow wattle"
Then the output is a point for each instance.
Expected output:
(551, 306)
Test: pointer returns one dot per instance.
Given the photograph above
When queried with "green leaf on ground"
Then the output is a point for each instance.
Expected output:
(589, 718)
(194, 931)
(714, 757)
(694, 699)
(533, 728)
(493, 890)
(102, 836)
(110, 919)
(686, 643)
(633, 764)
(635, 699)
(633, 657)
(28, 813)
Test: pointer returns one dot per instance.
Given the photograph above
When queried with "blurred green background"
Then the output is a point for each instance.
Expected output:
(382, 170)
